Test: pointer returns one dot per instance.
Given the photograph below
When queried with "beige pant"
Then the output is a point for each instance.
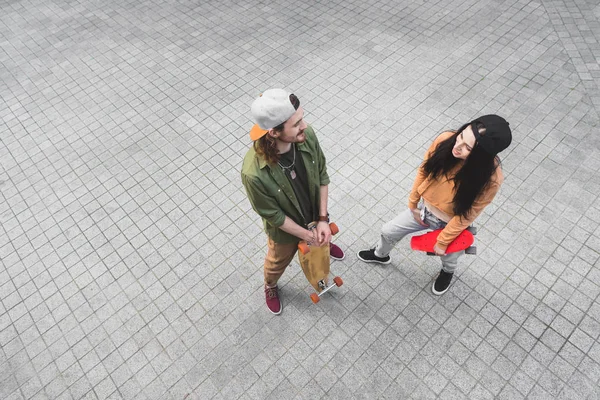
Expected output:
(279, 256)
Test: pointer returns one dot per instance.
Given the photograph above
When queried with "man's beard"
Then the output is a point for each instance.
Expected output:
(295, 139)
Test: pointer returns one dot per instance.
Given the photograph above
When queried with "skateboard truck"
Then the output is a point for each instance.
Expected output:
(464, 241)
(337, 281)
(316, 266)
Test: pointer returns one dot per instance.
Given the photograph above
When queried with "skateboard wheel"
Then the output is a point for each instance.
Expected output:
(303, 247)
(471, 250)
(315, 298)
(338, 281)
(334, 228)
(473, 230)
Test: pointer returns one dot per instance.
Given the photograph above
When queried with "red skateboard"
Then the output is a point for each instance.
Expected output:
(463, 241)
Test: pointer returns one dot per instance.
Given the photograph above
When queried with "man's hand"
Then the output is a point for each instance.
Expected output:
(309, 236)
(323, 233)
(438, 250)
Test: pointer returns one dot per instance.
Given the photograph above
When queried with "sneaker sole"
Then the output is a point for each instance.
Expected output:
(336, 258)
(436, 292)
(276, 313)
(373, 261)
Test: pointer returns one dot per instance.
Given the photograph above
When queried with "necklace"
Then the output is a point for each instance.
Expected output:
(291, 166)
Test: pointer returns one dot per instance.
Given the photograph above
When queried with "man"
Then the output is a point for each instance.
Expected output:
(285, 177)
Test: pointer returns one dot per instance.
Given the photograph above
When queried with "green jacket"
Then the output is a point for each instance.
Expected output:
(271, 194)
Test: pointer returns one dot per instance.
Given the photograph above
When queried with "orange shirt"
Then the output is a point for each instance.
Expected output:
(440, 192)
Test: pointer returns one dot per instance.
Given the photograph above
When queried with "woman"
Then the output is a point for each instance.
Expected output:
(459, 177)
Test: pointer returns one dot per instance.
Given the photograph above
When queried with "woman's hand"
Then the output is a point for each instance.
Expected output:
(323, 233)
(417, 216)
(438, 250)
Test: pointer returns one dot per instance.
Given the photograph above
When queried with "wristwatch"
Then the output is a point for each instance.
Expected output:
(324, 218)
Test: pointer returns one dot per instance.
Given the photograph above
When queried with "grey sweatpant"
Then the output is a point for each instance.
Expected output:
(402, 225)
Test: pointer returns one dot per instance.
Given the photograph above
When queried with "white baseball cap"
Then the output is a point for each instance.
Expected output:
(271, 109)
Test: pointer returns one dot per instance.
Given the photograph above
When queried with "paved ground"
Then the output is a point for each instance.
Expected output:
(132, 261)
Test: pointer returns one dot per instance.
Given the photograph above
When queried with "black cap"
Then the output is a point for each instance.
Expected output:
(497, 136)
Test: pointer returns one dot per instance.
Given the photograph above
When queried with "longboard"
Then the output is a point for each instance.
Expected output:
(315, 264)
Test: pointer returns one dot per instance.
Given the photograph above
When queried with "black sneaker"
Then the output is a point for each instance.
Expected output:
(370, 257)
(442, 283)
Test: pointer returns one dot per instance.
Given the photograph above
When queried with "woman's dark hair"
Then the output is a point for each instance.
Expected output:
(266, 146)
(472, 178)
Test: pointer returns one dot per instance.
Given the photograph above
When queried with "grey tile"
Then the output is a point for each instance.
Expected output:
(125, 227)
(480, 392)
(581, 340)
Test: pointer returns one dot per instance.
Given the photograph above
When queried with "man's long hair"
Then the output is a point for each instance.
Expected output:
(266, 146)
(472, 179)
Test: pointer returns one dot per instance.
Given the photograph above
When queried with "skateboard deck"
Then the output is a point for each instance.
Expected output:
(426, 242)
(315, 264)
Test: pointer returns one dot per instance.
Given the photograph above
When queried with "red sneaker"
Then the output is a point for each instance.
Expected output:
(335, 252)
(273, 303)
